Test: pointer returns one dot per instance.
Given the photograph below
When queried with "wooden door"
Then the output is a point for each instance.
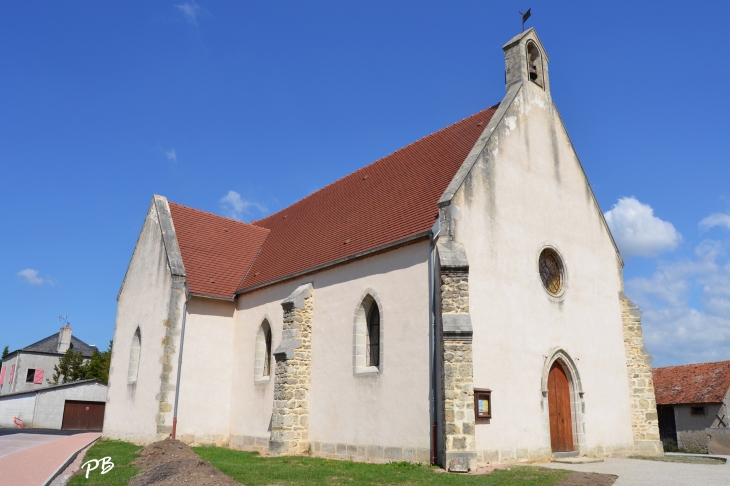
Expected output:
(561, 424)
(79, 415)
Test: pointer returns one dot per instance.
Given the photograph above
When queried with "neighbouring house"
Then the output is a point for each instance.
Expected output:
(29, 368)
(693, 404)
(71, 406)
(458, 301)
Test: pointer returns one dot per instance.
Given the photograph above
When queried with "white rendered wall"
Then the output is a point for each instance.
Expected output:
(7, 386)
(529, 192)
(390, 409)
(49, 404)
(20, 406)
(143, 302)
(34, 361)
(204, 409)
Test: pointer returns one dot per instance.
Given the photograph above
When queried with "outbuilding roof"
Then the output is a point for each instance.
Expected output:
(693, 383)
(388, 202)
(55, 387)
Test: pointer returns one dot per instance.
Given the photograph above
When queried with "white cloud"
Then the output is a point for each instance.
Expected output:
(31, 276)
(637, 231)
(171, 155)
(717, 219)
(190, 10)
(687, 307)
(685, 335)
(234, 206)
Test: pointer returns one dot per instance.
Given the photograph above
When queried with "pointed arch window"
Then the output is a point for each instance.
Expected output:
(367, 344)
(134, 357)
(373, 346)
(534, 64)
(262, 365)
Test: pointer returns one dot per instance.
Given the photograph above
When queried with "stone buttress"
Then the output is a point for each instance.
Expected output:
(644, 419)
(457, 380)
(292, 375)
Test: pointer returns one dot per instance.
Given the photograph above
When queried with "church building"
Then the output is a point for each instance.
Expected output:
(459, 301)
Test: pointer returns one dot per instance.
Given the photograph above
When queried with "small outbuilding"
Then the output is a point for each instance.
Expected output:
(71, 406)
(693, 405)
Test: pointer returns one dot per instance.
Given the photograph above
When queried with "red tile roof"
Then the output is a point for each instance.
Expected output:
(694, 383)
(385, 202)
(216, 251)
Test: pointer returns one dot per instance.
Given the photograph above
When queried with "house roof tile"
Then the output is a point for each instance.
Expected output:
(383, 203)
(216, 251)
(50, 345)
(693, 383)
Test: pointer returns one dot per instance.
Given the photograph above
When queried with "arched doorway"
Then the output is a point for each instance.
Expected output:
(561, 423)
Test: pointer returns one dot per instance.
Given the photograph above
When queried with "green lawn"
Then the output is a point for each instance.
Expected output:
(251, 469)
(122, 454)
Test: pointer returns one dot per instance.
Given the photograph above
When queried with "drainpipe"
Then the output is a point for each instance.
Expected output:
(432, 318)
(179, 360)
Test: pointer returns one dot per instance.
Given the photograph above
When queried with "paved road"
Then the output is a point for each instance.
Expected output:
(39, 431)
(14, 440)
(637, 472)
(28, 459)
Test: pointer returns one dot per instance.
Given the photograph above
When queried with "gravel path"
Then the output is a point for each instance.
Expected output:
(637, 472)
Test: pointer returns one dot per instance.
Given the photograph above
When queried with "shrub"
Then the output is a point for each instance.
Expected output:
(670, 446)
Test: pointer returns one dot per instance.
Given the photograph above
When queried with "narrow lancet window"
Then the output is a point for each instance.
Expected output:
(267, 358)
(262, 364)
(134, 356)
(373, 349)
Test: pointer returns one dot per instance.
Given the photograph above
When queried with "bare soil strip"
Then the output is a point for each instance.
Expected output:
(170, 463)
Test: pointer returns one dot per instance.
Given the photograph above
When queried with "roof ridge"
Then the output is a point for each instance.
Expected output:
(252, 262)
(84, 343)
(254, 223)
(37, 342)
(694, 364)
(218, 216)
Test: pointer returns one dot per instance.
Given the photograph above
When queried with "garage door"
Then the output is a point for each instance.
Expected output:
(83, 415)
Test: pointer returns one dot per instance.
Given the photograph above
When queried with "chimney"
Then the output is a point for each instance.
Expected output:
(526, 62)
(64, 339)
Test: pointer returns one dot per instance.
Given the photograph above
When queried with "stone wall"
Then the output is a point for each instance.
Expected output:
(290, 421)
(249, 443)
(457, 380)
(455, 292)
(369, 453)
(458, 398)
(206, 440)
(644, 418)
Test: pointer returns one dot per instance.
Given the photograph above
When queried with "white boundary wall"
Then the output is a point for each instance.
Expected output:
(44, 408)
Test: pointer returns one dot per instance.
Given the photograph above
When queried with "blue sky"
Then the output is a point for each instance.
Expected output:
(241, 108)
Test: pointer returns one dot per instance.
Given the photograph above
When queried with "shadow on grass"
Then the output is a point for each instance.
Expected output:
(251, 469)
(122, 454)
